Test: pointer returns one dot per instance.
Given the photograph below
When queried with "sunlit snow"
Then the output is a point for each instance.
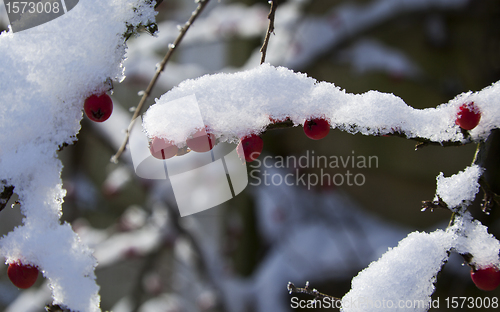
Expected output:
(46, 73)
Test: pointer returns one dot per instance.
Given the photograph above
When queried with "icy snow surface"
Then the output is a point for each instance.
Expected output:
(401, 275)
(46, 73)
(473, 238)
(460, 188)
(403, 278)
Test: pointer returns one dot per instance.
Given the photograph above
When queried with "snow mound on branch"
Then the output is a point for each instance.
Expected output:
(459, 188)
(235, 105)
(401, 276)
(403, 280)
(473, 238)
(47, 72)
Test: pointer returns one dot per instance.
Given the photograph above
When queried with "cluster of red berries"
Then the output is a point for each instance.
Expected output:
(250, 146)
(487, 278)
(98, 108)
(21, 275)
(468, 117)
(201, 141)
(314, 128)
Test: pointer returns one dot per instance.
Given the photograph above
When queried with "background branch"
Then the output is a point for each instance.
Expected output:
(309, 291)
(270, 30)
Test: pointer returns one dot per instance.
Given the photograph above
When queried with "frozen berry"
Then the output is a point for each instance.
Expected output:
(201, 141)
(162, 148)
(316, 128)
(252, 147)
(98, 108)
(468, 116)
(22, 276)
(486, 278)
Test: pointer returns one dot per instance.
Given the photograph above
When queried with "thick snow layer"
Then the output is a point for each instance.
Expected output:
(235, 105)
(46, 73)
(473, 238)
(402, 279)
(460, 188)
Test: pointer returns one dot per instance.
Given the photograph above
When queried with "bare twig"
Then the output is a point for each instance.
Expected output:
(5, 195)
(270, 30)
(486, 157)
(161, 66)
(56, 308)
(433, 204)
(490, 200)
(309, 291)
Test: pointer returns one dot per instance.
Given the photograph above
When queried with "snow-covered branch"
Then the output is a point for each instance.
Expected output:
(236, 105)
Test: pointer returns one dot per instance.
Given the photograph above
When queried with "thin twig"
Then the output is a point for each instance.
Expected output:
(56, 308)
(6, 194)
(159, 70)
(309, 291)
(270, 30)
(158, 2)
(433, 204)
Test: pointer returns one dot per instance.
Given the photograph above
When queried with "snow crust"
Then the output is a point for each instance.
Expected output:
(402, 275)
(403, 278)
(473, 238)
(460, 188)
(239, 104)
(46, 73)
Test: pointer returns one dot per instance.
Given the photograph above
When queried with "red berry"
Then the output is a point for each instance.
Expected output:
(22, 276)
(98, 108)
(316, 128)
(487, 278)
(468, 116)
(162, 148)
(201, 141)
(252, 147)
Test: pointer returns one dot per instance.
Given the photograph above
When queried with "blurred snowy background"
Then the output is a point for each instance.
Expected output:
(239, 256)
